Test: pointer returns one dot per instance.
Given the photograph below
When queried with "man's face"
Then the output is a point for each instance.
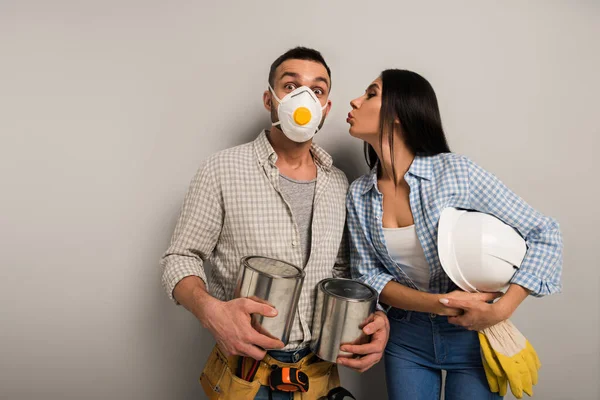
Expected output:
(292, 74)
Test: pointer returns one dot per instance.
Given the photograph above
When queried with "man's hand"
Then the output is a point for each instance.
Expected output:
(478, 313)
(370, 353)
(230, 324)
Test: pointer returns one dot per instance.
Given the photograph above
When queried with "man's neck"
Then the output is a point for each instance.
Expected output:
(294, 160)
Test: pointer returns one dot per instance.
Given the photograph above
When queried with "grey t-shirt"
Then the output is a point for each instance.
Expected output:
(300, 195)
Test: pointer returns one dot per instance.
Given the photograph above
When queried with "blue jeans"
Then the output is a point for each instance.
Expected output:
(421, 345)
(286, 357)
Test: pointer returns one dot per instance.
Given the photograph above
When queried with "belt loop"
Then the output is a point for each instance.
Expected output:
(408, 314)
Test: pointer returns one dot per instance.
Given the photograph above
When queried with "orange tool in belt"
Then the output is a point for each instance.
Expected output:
(288, 380)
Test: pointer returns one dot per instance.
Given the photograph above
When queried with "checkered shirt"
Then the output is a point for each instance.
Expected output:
(437, 182)
(234, 208)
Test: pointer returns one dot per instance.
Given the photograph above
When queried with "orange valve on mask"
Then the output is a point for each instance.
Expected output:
(302, 116)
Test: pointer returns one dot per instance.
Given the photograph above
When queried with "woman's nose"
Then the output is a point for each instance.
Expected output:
(354, 103)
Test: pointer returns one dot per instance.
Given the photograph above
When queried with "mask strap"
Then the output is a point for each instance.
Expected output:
(273, 92)
(279, 101)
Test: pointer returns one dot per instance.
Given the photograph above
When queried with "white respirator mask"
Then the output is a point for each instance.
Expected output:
(300, 114)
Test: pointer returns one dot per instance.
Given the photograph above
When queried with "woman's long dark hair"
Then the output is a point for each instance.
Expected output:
(409, 97)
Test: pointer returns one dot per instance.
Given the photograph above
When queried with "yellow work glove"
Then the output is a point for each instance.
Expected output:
(493, 372)
(530, 355)
(508, 353)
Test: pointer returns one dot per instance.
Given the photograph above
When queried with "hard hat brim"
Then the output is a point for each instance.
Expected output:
(448, 219)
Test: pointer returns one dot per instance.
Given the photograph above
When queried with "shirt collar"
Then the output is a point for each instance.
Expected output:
(265, 152)
(371, 180)
(421, 167)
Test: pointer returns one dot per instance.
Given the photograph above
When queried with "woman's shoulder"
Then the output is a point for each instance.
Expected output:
(451, 159)
(361, 184)
(451, 163)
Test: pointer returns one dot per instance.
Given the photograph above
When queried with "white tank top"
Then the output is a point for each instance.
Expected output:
(405, 249)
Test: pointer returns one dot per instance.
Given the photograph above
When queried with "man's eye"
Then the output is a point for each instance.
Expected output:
(318, 91)
(290, 86)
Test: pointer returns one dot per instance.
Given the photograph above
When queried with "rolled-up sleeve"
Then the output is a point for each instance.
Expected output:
(364, 264)
(541, 269)
(196, 233)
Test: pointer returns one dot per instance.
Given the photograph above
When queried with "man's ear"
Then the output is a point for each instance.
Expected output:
(267, 102)
(328, 108)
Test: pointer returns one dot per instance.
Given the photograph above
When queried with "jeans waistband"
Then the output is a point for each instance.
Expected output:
(289, 356)
(406, 315)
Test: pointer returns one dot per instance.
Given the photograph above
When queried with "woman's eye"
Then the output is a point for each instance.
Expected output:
(369, 95)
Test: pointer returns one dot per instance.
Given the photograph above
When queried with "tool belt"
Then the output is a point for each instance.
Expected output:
(220, 381)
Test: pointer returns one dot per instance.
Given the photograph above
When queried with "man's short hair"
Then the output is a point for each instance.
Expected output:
(298, 53)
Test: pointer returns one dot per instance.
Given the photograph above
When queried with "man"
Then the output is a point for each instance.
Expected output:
(280, 197)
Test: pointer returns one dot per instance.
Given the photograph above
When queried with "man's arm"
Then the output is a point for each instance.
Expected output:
(228, 321)
(197, 231)
(191, 293)
(196, 234)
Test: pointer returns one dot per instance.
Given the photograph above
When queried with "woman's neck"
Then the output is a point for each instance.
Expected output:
(403, 158)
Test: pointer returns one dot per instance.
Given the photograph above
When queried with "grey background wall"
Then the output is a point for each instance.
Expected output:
(108, 107)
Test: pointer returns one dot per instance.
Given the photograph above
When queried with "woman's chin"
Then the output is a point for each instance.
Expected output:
(356, 133)
(351, 131)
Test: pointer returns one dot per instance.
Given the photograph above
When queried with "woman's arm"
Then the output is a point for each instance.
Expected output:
(366, 267)
(364, 263)
(540, 271)
(400, 296)
(479, 315)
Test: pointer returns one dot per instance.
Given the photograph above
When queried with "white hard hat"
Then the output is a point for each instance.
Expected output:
(478, 252)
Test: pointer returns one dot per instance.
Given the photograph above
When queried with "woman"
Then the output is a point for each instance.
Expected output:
(393, 214)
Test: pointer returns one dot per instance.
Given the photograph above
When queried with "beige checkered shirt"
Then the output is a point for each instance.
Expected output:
(234, 208)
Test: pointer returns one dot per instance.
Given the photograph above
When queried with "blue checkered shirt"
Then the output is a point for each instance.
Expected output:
(437, 182)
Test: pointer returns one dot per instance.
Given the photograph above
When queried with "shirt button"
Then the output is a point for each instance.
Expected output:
(294, 243)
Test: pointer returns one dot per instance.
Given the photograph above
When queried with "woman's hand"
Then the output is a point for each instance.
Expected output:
(478, 314)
